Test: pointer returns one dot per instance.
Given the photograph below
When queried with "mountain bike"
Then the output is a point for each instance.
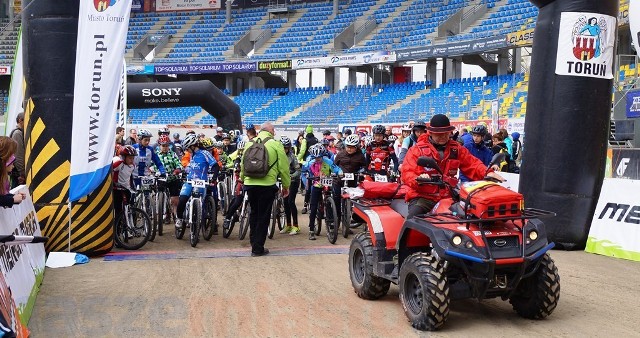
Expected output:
(132, 227)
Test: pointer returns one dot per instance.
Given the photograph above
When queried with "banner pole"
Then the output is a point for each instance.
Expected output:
(69, 241)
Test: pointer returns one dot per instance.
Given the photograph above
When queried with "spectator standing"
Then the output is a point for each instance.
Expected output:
(133, 137)
(262, 190)
(7, 158)
(18, 175)
(219, 132)
(517, 148)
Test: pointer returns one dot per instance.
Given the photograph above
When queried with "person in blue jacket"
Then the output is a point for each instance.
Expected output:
(478, 148)
(318, 165)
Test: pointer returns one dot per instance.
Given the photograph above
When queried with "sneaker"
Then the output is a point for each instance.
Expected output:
(226, 224)
(286, 230)
(179, 224)
(258, 254)
(312, 236)
(294, 230)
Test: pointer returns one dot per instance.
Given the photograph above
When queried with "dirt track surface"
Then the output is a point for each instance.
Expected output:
(302, 295)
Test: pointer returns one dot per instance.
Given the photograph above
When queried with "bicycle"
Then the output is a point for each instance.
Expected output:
(132, 227)
(245, 211)
(278, 215)
(163, 209)
(226, 232)
(326, 209)
(147, 196)
(225, 189)
(197, 218)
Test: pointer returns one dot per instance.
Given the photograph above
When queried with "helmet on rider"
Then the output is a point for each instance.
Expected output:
(206, 143)
(479, 129)
(249, 126)
(190, 132)
(163, 131)
(420, 125)
(226, 136)
(127, 151)
(218, 144)
(368, 140)
(164, 140)
(286, 141)
(176, 135)
(316, 150)
(406, 127)
(378, 129)
(190, 140)
(241, 145)
(352, 140)
(144, 133)
(392, 138)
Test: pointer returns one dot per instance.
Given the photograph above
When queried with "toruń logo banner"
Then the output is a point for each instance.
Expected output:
(585, 45)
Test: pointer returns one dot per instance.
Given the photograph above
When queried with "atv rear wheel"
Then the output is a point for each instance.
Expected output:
(537, 296)
(424, 291)
(365, 284)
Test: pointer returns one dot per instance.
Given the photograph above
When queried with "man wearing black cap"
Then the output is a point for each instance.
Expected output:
(450, 156)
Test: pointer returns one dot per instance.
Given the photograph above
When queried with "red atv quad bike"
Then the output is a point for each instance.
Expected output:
(481, 243)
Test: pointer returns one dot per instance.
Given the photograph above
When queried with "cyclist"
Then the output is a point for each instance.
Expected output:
(350, 160)
(227, 147)
(161, 131)
(146, 156)
(186, 157)
(319, 165)
(219, 134)
(393, 141)
(477, 148)
(380, 153)
(124, 170)
(418, 129)
(290, 208)
(236, 202)
(199, 166)
(173, 166)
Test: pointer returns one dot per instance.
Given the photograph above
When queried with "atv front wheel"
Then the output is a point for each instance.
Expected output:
(424, 291)
(365, 284)
(537, 296)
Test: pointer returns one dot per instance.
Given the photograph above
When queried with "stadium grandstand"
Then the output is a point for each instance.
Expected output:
(386, 61)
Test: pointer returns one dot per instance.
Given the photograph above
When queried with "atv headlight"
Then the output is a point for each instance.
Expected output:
(533, 235)
(456, 240)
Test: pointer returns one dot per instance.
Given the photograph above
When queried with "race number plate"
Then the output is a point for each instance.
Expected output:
(198, 183)
(348, 177)
(326, 182)
(146, 182)
(381, 178)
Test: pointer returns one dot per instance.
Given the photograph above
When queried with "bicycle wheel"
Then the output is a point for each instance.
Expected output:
(210, 219)
(149, 208)
(282, 216)
(319, 217)
(196, 215)
(244, 219)
(346, 216)
(274, 218)
(159, 219)
(132, 229)
(222, 196)
(331, 219)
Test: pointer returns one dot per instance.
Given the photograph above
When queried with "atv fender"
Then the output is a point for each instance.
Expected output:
(383, 223)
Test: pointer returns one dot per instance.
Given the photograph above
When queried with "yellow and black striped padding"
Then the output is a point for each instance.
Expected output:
(48, 150)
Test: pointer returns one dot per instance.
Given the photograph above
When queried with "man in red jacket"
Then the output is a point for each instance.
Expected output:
(449, 155)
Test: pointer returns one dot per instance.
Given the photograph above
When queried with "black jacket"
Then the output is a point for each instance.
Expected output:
(350, 163)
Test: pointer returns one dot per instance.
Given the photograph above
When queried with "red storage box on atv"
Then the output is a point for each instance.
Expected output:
(386, 190)
(487, 200)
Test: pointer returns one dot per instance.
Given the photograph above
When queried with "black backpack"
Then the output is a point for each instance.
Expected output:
(256, 159)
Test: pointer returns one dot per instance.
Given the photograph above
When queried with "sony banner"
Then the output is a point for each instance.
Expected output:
(585, 45)
(615, 229)
(634, 23)
(102, 32)
(187, 5)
